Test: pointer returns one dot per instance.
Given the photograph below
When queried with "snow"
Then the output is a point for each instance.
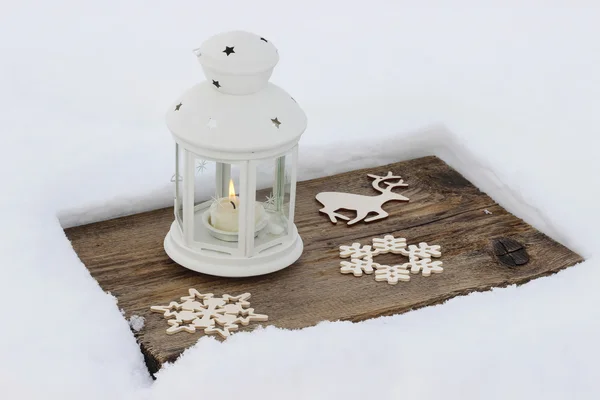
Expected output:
(137, 322)
(507, 94)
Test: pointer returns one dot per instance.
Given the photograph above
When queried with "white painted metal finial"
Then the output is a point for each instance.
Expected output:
(242, 62)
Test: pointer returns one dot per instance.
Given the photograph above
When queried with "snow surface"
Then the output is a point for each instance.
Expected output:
(507, 94)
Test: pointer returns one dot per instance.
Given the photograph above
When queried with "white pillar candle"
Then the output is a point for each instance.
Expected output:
(224, 214)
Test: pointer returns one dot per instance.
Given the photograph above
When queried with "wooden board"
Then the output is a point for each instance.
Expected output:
(126, 256)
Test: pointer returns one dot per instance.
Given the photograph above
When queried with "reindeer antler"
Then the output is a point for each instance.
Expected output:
(390, 185)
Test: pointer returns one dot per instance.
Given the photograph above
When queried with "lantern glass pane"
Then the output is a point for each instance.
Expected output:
(217, 210)
(204, 181)
(178, 181)
(273, 183)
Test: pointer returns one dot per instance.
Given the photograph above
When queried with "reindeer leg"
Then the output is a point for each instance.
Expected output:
(341, 216)
(380, 215)
(359, 216)
(332, 214)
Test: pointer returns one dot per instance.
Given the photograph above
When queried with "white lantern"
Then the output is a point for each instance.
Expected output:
(244, 130)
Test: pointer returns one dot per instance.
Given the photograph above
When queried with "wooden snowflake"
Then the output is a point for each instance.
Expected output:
(389, 244)
(419, 259)
(356, 251)
(392, 273)
(357, 266)
(425, 265)
(423, 250)
(220, 315)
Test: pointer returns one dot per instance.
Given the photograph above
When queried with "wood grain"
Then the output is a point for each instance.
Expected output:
(126, 257)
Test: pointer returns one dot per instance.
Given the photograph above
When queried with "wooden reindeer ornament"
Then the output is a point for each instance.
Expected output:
(363, 205)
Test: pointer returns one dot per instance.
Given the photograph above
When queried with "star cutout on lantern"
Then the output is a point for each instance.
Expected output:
(276, 122)
(216, 83)
(264, 40)
(201, 166)
(177, 107)
(228, 50)
(211, 124)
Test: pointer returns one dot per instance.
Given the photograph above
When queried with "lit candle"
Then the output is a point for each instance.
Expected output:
(224, 213)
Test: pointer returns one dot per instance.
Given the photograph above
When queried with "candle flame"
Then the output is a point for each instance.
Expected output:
(231, 190)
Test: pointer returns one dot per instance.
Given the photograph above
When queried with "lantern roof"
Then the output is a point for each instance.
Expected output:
(236, 113)
(238, 53)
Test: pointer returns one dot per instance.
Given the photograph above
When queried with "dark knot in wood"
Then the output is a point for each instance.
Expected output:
(510, 252)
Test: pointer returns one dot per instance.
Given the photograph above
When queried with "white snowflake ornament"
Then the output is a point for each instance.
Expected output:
(389, 244)
(392, 273)
(220, 315)
(357, 266)
(227, 323)
(356, 251)
(184, 321)
(419, 259)
(239, 300)
(248, 315)
(426, 266)
(168, 311)
(423, 250)
(192, 303)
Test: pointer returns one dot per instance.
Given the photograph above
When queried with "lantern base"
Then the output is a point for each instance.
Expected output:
(225, 265)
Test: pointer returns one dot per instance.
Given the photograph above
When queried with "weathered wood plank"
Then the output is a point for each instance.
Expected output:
(126, 256)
